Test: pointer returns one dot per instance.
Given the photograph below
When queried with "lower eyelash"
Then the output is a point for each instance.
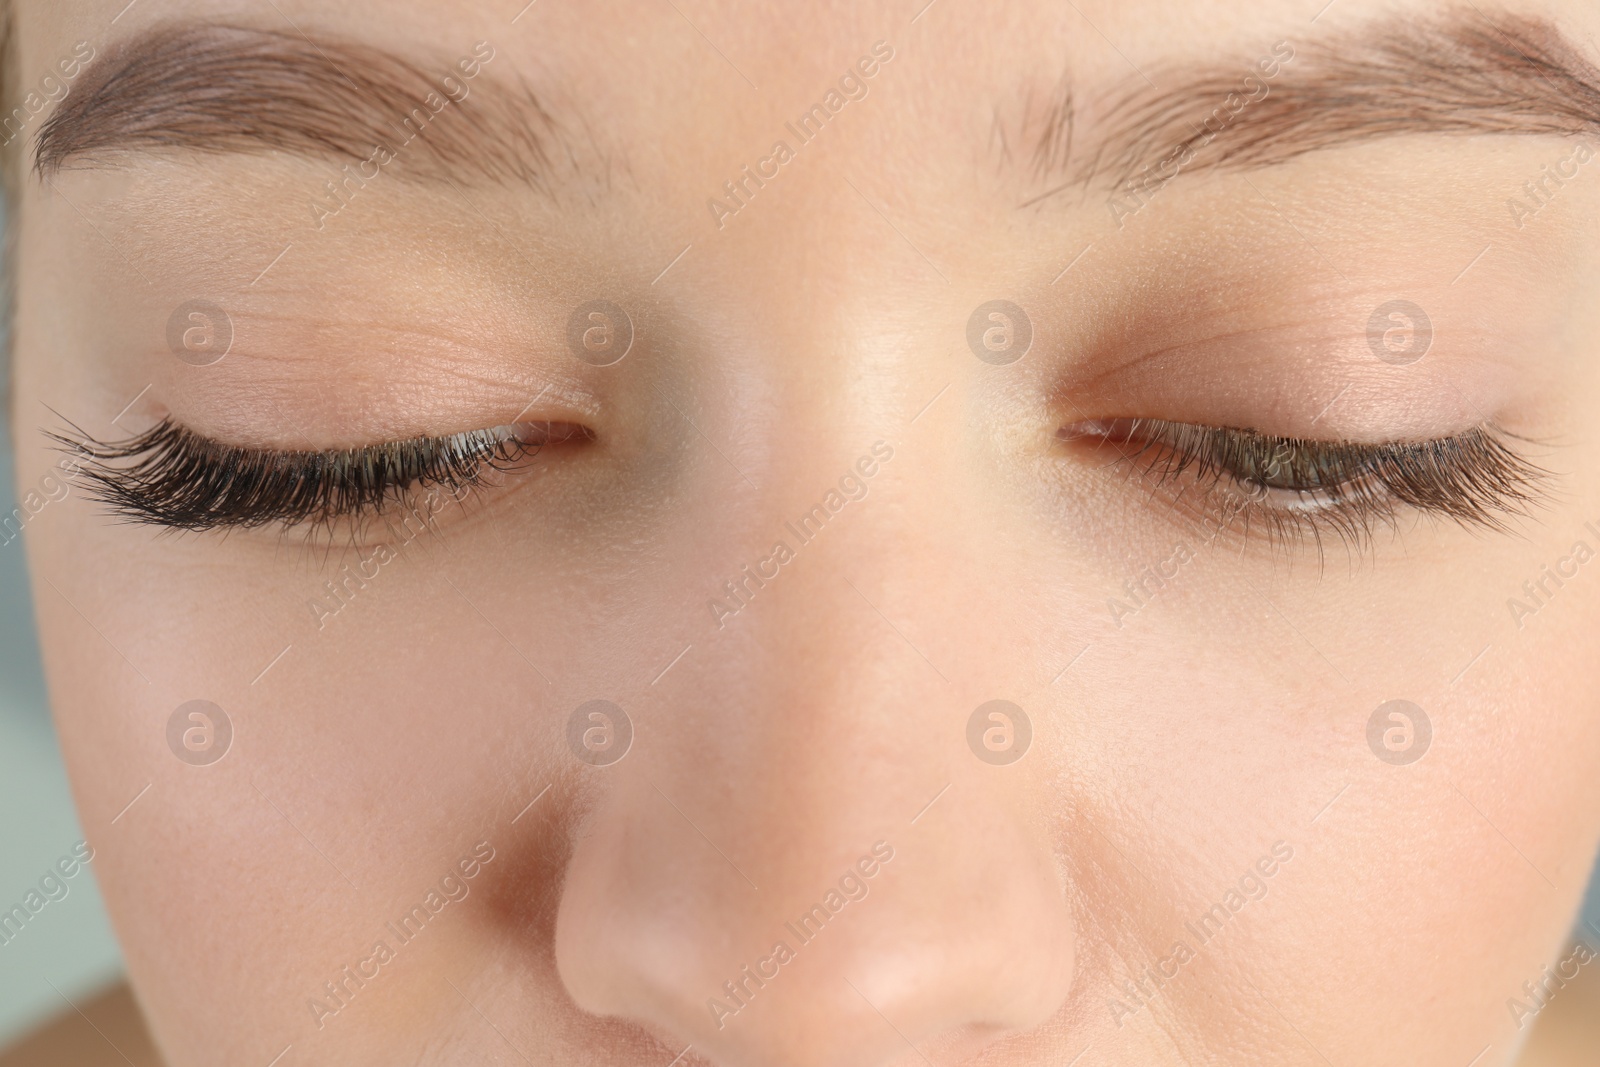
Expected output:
(170, 476)
(1298, 487)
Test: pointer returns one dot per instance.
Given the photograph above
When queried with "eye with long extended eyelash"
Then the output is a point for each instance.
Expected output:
(170, 476)
(1300, 486)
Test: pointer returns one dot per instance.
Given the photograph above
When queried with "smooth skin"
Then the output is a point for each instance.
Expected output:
(1208, 748)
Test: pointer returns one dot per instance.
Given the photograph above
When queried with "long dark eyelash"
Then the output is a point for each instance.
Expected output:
(170, 476)
(1349, 489)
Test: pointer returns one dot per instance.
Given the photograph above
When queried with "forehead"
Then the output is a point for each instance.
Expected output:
(931, 131)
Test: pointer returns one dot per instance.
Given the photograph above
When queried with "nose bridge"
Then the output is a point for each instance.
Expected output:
(803, 861)
(827, 700)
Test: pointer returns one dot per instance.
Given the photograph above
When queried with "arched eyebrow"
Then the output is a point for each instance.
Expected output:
(217, 89)
(1450, 74)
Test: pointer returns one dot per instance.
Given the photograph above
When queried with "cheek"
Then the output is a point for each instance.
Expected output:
(1246, 688)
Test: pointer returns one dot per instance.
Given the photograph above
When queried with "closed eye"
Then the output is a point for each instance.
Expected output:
(1293, 486)
(172, 477)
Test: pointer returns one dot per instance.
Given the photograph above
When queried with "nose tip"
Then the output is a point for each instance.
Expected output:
(942, 943)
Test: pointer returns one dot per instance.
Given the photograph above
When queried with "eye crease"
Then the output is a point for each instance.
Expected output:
(171, 476)
(1296, 487)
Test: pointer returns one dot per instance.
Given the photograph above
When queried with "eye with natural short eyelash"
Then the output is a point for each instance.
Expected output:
(1296, 486)
(172, 477)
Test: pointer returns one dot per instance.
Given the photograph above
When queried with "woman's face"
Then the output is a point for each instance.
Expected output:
(820, 535)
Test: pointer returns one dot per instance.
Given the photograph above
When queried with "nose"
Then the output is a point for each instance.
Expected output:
(803, 861)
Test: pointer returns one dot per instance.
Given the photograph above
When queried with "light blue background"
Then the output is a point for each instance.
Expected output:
(69, 941)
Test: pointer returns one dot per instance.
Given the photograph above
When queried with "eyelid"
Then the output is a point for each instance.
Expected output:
(302, 418)
(1474, 477)
(171, 476)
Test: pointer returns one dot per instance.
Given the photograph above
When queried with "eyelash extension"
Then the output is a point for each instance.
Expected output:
(170, 476)
(1297, 486)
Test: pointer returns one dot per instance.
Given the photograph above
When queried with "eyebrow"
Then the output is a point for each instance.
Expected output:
(197, 88)
(1453, 74)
